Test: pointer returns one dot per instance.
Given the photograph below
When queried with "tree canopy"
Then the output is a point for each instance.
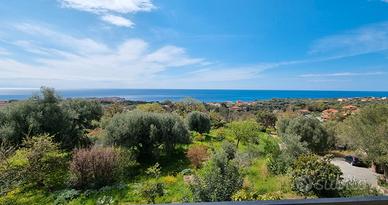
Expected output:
(146, 131)
(199, 122)
(368, 131)
(310, 131)
(45, 114)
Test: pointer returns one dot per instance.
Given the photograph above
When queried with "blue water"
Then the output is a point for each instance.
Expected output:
(203, 95)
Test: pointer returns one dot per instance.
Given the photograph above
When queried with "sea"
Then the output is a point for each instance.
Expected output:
(202, 95)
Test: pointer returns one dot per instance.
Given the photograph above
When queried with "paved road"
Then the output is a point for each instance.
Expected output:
(358, 173)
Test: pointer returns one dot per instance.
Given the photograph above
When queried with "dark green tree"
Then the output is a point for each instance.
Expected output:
(146, 132)
(310, 130)
(42, 114)
(266, 118)
(199, 122)
(83, 112)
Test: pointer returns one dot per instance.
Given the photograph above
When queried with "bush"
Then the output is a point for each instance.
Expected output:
(199, 122)
(147, 132)
(197, 154)
(244, 195)
(40, 164)
(169, 180)
(64, 196)
(98, 167)
(268, 146)
(353, 188)
(152, 189)
(313, 175)
(217, 181)
(229, 149)
(279, 165)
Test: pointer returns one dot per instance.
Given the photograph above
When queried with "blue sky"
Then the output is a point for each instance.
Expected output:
(199, 44)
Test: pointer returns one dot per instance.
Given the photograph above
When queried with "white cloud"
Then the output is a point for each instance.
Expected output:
(118, 20)
(108, 9)
(62, 60)
(343, 74)
(119, 6)
(3, 52)
(368, 39)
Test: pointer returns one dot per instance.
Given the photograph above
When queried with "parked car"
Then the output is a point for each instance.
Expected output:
(355, 161)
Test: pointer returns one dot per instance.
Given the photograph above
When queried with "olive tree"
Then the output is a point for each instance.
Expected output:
(310, 131)
(45, 114)
(199, 122)
(146, 132)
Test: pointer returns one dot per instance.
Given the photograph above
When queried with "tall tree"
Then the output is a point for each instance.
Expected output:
(368, 131)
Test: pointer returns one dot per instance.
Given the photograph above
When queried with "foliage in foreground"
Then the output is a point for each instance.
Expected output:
(39, 164)
(312, 175)
(98, 167)
(218, 180)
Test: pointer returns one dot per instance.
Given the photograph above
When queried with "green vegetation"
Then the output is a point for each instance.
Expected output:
(199, 122)
(75, 151)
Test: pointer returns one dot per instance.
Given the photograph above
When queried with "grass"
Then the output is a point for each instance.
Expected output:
(263, 182)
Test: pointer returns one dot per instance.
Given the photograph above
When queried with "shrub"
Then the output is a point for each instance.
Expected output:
(229, 149)
(314, 175)
(64, 196)
(197, 154)
(352, 188)
(186, 172)
(245, 195)
(40, 164)
(169, 180)
(199, 122)
(196, 136)
(98, 167)
(147, 132)
(152, 189)
(280, 164)
(268, 146)
(218, 180)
